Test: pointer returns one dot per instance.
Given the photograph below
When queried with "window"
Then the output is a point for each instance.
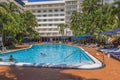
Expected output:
(50, 20)
(44, 11)
(55, 24)
(56, 20)
(44, 20)
(56, 10)
(68, 13)
(39, 24)
(54, 34)
(50, 29)
(50, 15)
(62, 9)
(62, 19)
(39, 11)
(55, 29)
(38, 15)
(44, 15)
(56, 15)
(48, 34)
(38, 20)
(44, 24)
(50, 10)
(62, 4)
(49, 5)
(32, 6)
(33, 11)
(61, 14)
(50, 24)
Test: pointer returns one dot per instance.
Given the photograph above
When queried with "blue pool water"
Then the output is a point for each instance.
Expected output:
(49, 53)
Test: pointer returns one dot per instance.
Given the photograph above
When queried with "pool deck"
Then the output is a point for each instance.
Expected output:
(110, 72)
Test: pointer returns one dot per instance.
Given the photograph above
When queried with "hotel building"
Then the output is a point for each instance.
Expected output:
(50, 14)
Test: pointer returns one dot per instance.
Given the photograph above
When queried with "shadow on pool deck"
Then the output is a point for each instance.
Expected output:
(110, 72)
(20, 73)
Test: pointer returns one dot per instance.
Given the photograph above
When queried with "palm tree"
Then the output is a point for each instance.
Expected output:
(92, 19)
(116, 11)
(75, 22)
(62, 27)
(89, 6)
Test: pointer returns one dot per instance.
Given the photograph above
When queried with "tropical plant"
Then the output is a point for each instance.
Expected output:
(62, 26)
(94, 18)
(116, 11)
(15, 23)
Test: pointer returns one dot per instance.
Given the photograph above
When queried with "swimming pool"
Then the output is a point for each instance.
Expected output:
(52, 55)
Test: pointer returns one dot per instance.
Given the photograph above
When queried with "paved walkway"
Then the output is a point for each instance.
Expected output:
(110, 72)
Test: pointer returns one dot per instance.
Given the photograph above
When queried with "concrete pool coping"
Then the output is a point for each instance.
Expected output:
(97, 64)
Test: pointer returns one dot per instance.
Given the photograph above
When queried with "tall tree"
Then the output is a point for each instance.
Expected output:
(62, 26)
(94, 18)
(116, 11)
(15, 23)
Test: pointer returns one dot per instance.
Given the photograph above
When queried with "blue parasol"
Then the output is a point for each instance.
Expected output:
(116, 30)
(107, 33)
(79, 37)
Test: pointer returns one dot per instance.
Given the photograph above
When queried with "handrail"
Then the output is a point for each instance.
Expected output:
(67, 56)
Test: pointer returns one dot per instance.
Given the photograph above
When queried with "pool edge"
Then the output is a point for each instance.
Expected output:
(98, 64)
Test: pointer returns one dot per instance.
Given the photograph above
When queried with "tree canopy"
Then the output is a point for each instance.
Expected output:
(16, 23)
(95, 17)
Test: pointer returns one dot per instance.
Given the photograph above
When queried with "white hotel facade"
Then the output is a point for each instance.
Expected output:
(50, 14)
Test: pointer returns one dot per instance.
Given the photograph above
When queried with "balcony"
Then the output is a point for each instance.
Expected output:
(46, 27)
(46, 31)
(50, 35)
(53, 17)
(51, 22)
(44, 7)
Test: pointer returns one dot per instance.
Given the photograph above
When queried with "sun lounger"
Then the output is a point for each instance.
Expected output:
(116, 55)
(111, 50)
(108, 50)
(117, 50)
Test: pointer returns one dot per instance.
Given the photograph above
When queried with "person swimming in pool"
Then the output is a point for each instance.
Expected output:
(11, 58)
(43, 54)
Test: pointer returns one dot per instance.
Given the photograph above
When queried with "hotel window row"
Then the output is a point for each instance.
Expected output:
(49, 15)
(71, 2)
(50, 20)
(56, 29)
(44, 25)
(55, 10)
(45, 6)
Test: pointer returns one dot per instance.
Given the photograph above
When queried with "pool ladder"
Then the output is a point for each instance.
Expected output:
(68, 56)
(72, 54)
